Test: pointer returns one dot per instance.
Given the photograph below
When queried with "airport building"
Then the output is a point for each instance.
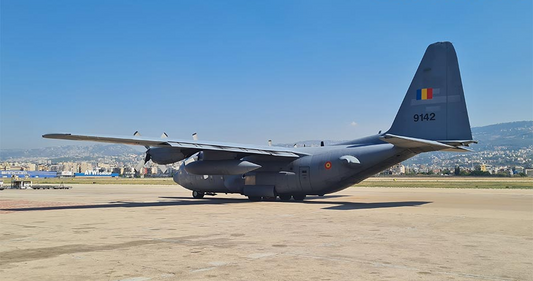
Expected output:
(96, 174)
(28, 174)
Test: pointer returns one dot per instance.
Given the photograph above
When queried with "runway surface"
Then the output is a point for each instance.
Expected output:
(134, 233)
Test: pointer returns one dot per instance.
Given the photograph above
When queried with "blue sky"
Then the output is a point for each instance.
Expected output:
(248, 71)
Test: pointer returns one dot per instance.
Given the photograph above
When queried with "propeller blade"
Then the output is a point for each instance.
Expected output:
(147, 157)
(141, 163)
(139, 166)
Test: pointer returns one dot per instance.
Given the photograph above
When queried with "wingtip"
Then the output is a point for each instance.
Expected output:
(54, 135)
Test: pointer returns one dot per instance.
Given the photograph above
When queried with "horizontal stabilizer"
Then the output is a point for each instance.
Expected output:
(426, 145)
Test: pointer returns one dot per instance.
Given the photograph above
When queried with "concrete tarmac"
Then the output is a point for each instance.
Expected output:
(135, 233)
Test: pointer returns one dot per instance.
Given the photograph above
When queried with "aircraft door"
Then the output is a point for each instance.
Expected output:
(305, 182)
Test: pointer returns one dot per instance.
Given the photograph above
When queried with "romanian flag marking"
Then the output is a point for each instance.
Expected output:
(327, 165)
(424, 94)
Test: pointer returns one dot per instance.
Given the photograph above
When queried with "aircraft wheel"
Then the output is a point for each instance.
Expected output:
(197, 194)
(285, 197)
(299, 197)
(254, 198)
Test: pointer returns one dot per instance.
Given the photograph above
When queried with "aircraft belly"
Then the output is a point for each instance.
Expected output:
(286, 183)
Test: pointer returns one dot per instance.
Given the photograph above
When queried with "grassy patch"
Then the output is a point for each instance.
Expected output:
(103, 180)
(450, 183)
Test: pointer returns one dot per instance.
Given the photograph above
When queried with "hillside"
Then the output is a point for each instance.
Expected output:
(505, 144)
(513, 135)
(90, 152)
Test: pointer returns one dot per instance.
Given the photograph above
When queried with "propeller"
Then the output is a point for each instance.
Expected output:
(163, 168)
(141, 163)
(148, 156)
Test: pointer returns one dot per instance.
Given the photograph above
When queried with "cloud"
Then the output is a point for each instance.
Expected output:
(353, 124)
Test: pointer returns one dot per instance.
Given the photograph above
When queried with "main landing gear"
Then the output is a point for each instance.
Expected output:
(197, 194)
(282, 197)
(200, 194)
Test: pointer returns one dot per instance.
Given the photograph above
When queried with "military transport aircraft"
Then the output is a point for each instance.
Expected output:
(432, 117)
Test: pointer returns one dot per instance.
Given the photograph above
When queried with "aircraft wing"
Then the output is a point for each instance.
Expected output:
(185, 144)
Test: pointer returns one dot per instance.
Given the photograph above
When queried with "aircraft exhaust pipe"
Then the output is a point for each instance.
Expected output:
(221, 167)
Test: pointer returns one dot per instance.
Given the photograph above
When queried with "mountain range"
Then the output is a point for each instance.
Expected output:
(513, 135)
(88, 152)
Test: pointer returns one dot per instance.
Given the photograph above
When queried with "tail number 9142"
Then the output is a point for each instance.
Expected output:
(424, 117)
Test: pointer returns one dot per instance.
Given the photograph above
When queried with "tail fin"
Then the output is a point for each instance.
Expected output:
(434, 107)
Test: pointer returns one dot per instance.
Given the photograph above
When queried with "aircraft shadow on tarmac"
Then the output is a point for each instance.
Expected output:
(187, 201)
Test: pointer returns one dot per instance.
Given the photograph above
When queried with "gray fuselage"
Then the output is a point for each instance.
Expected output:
(324, 169)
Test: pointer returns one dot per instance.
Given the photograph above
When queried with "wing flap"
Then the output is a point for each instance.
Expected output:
(246, 149)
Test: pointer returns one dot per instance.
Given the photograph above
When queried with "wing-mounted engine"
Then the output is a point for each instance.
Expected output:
(164, 155)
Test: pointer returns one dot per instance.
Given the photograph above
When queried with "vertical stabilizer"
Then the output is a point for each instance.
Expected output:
(434, 107)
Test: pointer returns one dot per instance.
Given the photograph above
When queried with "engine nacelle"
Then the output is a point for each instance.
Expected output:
(165, 155)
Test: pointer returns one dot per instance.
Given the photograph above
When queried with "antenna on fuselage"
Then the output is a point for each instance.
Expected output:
(269, 142)
(164, 135)
(195, 136)
(322, 143)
